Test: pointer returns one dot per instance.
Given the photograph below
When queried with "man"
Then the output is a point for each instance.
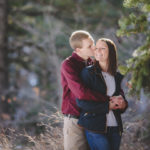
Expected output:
(83, 45)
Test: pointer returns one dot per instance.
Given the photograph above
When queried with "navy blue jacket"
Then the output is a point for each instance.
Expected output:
(93, 114)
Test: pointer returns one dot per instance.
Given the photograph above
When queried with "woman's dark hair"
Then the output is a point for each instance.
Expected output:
(112, 56)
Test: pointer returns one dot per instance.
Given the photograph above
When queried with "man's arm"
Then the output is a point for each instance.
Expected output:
(77, 86)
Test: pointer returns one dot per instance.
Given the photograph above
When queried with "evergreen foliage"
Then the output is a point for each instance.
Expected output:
(138, 24)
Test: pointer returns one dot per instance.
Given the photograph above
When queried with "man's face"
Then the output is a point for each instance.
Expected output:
(87, 49)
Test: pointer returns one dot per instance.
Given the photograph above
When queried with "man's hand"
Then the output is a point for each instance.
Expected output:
(117, 102)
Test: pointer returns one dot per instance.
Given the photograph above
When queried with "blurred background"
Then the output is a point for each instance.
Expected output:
(33, 42)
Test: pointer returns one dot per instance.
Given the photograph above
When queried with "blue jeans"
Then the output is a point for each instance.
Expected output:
(108, 141)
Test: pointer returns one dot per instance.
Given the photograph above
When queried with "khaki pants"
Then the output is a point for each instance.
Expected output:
(74, 137)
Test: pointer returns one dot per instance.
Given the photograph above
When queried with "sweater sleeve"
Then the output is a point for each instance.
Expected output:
(76, 85)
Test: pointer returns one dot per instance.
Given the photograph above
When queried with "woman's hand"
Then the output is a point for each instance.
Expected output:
(112, 105)
(117, 102)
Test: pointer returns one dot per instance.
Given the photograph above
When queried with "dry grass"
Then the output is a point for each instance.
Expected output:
(50, 139)
(136, 136)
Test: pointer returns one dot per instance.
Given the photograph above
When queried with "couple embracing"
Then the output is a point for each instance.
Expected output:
(93, 100)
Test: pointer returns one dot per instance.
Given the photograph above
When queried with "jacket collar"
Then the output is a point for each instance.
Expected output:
(77, 57)
(98, 69)
(80, 59)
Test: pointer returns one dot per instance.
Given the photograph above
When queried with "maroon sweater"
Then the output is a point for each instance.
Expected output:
(73, 86)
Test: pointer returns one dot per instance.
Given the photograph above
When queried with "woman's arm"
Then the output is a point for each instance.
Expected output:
(124, 102)
(93, 107)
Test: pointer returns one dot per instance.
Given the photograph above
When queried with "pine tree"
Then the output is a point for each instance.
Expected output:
(138, 23)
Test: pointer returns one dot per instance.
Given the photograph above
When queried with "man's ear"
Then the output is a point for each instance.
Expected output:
(77, 50)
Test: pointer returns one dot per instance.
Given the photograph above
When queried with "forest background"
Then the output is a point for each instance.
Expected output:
(33, 42)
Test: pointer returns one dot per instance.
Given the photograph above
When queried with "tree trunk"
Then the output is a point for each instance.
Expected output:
(3, 46)
(4, 106)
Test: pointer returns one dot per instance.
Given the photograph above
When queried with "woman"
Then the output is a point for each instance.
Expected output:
(102, 120)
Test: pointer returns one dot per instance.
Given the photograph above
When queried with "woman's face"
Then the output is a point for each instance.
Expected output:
(101, 51)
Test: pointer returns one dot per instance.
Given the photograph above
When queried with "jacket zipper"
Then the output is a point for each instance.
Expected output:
(101, 76)
(106, 125)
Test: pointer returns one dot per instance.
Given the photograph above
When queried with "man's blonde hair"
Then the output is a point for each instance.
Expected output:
(76, 38)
